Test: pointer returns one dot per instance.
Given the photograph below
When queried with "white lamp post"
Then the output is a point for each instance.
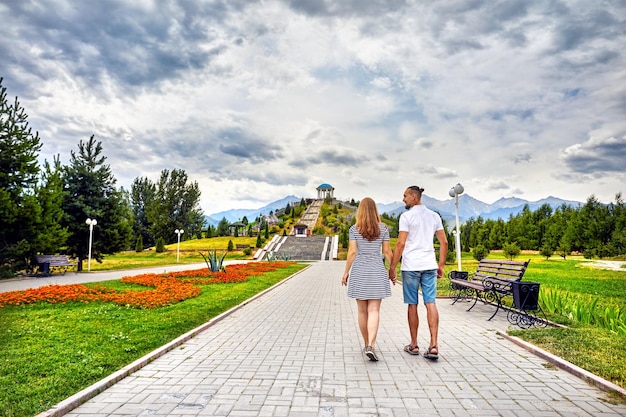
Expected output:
(178, 232)
(91, 223)
(455, 192)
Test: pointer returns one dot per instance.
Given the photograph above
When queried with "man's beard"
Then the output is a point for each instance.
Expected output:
(407, 207)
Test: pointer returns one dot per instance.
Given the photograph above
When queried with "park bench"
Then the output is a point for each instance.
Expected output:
(492, 281)
(48, 264)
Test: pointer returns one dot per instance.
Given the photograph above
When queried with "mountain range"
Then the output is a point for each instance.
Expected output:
(468, 207)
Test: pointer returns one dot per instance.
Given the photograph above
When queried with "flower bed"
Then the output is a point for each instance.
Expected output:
(167, 289)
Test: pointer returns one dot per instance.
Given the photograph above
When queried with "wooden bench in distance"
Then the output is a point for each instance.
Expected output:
(491, 282)
(48, 264)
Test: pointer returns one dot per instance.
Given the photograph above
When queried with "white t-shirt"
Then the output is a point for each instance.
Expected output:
(419, 252)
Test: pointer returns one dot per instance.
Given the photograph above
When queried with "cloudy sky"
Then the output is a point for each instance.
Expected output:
(257, 100)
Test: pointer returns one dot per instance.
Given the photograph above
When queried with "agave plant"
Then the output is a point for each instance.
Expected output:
(213, 261)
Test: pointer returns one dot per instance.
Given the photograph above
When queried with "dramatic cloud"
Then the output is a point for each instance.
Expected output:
(597, 155)
(258, 100)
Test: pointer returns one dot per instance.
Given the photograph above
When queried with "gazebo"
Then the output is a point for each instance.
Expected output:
(325, 190)
(235, 227)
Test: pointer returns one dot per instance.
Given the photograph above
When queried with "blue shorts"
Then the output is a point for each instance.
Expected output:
(413, 280)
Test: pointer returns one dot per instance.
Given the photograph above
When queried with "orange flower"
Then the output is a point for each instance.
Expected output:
(167, 289)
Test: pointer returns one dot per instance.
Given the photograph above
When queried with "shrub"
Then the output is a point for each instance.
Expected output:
(480, 252)
(160, 245)
(546, 251)
(247, 251)
(139, 245)
(230, 246)
(511, 250)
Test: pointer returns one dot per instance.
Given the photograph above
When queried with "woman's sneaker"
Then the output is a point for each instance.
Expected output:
(369, 351)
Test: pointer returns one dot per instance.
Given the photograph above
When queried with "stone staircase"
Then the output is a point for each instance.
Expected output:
(300, 248)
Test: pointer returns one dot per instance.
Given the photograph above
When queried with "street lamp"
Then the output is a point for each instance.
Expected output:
(455, 192)
(91, 223)
(178, 232)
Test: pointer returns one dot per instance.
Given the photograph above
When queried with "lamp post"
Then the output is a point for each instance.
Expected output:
(91, 223)
(455, 192)
(178, 232)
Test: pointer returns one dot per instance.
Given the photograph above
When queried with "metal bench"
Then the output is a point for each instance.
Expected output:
(492, 281)
(48, 264)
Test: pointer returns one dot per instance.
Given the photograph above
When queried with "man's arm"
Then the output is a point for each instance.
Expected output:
(443, 251)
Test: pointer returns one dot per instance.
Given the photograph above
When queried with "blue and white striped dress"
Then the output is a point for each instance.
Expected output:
(368, 279)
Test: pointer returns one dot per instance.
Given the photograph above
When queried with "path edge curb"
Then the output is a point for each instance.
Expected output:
(91, 391)
(561, 363)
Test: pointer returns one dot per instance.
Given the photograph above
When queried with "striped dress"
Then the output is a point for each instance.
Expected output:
(368, 279)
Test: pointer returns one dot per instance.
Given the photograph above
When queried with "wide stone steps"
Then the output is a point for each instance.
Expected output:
(300, 248)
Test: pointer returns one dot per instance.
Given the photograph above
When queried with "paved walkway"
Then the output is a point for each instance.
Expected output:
(296, 351)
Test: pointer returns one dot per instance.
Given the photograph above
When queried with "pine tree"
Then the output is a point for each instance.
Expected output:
(91, 193)
(20, 211)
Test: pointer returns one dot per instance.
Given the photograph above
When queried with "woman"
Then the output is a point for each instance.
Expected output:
(368, 279)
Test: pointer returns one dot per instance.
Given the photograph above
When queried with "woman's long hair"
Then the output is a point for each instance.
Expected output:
(367, 219)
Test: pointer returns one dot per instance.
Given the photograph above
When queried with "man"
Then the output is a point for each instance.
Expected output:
(419, 266)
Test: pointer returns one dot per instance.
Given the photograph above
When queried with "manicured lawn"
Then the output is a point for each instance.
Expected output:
(189, 253)
(48, 352)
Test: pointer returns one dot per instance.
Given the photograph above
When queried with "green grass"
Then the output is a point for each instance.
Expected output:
(48, 352)
(189, 253)
(597, 350)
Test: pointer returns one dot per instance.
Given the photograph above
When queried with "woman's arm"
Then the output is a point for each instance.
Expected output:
(349, 260)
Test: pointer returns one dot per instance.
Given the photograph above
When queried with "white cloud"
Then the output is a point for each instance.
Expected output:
(258, 100)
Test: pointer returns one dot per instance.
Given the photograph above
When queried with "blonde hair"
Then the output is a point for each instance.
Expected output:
(367, 219)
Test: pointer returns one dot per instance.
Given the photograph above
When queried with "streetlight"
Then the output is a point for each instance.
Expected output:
(178, 232)
(455, 192)
(91, 223)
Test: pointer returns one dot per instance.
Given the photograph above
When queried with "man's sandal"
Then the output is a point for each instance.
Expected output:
(432, 355)
(412, 350)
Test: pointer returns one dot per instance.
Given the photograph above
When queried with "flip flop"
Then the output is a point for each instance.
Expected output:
(432, 355)
(412, 350)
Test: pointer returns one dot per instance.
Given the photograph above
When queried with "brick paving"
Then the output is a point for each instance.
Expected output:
(296, 351)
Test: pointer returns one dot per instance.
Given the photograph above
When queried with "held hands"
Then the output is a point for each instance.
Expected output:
(344, 280)
(392, 276)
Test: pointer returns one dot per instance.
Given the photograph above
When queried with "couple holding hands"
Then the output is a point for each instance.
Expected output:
(369, 282)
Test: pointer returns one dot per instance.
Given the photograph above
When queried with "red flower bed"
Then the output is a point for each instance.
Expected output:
(167, 289)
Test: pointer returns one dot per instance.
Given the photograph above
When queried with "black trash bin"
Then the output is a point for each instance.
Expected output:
(525, 295)
(459, 275)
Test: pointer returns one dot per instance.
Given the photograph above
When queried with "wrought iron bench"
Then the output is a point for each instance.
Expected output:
(491, 282)
(48, 264)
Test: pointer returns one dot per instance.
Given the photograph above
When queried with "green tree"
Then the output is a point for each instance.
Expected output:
(91, 193)
(222, 227)
(480, 252)
(511, 250)
(546, 251)
(142, 194)
(139, 244)
(20, 210)
(160, 245)
(176, 205)
(51, 233)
